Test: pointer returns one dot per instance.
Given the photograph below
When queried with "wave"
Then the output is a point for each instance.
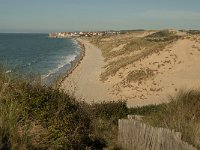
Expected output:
(8, 71)
(65, 61)
(76, 44)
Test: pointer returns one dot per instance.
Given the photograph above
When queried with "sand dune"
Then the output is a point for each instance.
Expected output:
(175, 67)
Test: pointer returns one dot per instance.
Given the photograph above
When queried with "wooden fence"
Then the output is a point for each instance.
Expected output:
(135, 135)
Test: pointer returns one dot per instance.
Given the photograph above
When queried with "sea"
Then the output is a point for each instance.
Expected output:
(37, 55)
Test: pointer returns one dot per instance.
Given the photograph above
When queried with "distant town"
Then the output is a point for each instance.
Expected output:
(104, 33)
(78, 34)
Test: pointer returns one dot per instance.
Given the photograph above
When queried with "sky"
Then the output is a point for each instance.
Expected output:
(92, 15)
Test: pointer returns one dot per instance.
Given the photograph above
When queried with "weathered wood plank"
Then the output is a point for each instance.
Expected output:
(135, 135)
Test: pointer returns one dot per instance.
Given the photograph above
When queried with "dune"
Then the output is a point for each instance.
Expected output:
(175, 67)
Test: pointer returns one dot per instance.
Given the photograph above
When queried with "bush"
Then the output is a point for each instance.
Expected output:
(64, 121)
(146, 110)
(111, 110)
(164, 35)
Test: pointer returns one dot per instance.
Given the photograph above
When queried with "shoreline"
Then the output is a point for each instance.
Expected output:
(84, 81)
(74, 64)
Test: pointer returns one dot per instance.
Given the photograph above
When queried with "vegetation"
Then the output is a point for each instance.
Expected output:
(133, 48)
(164, 35)
(55, 119)
(105, 121)
(181, 114)
(193, 32)
(141, 74)
(36, 117)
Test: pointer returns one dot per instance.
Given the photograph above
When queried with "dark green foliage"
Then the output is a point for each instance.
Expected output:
(164, 35)
(146, 110)
(111, 110)
(66, 123)
(60, 121)
(105, 116)
(193, 31)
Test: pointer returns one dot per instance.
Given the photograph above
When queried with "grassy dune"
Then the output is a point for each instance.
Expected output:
(141, 47)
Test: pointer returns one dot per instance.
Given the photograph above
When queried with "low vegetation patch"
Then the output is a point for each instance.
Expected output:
(146, 110)
(164, 35)
(138, 75)
(193, 32)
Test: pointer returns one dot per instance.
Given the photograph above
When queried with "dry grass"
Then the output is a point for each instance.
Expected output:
(181, 114)
(141, 74)
(135, 49)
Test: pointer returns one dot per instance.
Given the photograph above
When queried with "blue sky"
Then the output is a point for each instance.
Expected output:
(69, 15)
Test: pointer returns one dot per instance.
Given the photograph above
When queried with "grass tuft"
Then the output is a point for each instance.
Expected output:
(141, 74)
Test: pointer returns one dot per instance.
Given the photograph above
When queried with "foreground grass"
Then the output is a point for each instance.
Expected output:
(182, 114)
(36, 117)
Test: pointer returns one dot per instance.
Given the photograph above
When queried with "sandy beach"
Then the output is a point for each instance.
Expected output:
(84, 82)
(175, 67)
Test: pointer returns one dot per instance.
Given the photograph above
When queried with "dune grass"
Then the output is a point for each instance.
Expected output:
(134, 49)
(138, 75)
(181, 114)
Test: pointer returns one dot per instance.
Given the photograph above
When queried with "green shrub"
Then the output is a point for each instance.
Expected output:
(64, 120)
(146, 110)
(111, 110)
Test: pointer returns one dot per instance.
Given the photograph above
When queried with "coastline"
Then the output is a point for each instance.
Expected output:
(83, 81)
(75, 63)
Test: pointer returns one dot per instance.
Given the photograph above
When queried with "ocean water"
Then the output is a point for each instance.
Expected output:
(38, 55)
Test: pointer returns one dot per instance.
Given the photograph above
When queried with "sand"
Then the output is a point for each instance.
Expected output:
(176, 67)
(84, 82)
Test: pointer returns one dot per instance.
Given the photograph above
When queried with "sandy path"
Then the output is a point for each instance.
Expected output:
(84, 82)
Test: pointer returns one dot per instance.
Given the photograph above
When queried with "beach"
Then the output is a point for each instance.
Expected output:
(175, 67)
(84, 82)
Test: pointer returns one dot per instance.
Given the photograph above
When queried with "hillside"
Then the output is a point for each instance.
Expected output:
(144, 67)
